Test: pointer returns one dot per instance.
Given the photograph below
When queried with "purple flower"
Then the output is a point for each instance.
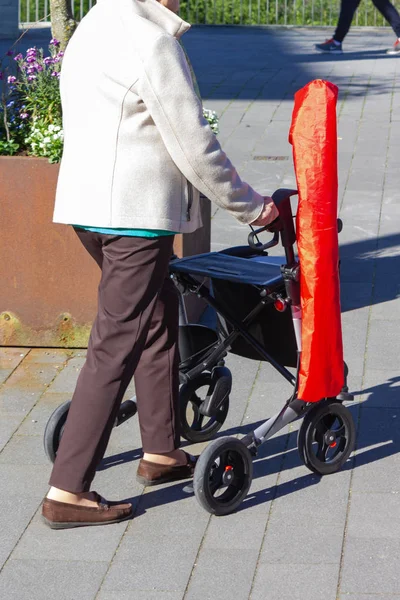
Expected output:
(32, 69)
(31, 51)
(55, 74)
(48, 60)
(1, 75)
(23, 115)
(39, 68)
(10, 53)
(18, 57)
(31, 77)
(31, 58)
(11, 79)
(54, 42)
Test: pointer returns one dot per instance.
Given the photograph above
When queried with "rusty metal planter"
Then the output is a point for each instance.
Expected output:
(48, 283)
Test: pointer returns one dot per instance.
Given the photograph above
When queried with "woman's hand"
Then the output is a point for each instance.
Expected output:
(269, 213)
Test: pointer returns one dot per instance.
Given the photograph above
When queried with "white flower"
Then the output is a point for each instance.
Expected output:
(50, 128)
(46, 140)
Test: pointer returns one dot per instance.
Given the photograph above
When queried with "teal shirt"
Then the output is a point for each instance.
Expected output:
(147, 233)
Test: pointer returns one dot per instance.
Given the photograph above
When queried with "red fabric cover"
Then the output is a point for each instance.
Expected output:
(314, 139)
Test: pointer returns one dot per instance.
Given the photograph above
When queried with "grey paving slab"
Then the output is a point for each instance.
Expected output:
(367, 520)
(45, 580)
(26, 481)
(242, 530)
(144, 594)
(355, 295)
(94, 544)
(381, 390)
(8, 425)
(163, 575)
(10, 358)
(371, 566)
(355, 327)
(377, 457)
(383, 334)
(292, 541)
(22, 450)
(25, 386)
(56, 356)
(223, 573)
(16, 514)
(36, 421)
(298, 581)
(368, 597)
(166, 519)
(66, 380)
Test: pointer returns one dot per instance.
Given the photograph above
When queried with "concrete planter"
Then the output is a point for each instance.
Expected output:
(48, 292)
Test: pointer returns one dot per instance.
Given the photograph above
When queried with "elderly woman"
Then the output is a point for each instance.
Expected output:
(137, 153)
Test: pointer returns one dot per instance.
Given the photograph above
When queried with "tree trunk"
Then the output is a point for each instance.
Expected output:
(62, 22)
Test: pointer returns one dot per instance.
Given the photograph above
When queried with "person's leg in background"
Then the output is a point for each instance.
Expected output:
(347, 11)
(391, 15)
(133, 271)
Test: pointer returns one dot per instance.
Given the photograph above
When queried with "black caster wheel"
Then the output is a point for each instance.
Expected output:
(223, 476)
(196, 427)
(54, 430)
(55, 425)
(327, 437)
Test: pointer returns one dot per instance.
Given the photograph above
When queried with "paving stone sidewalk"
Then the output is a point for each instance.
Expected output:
(296, 537)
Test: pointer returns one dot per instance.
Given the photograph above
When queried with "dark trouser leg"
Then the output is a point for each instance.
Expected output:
(347, 10)
(157, 377)
(133, 273)
(390, 13)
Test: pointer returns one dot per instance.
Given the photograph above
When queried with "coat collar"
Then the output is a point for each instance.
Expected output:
(153, 11)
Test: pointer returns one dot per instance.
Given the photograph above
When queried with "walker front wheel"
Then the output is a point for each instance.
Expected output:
(327, 437)
(223, 475)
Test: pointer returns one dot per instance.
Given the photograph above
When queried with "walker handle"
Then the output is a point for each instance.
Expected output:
(283, 224)
(281, 199)
(258, 246)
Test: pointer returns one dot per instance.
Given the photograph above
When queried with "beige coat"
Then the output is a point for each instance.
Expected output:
(137, 148)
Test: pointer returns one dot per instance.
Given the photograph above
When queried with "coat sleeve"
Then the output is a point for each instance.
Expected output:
(166, 89)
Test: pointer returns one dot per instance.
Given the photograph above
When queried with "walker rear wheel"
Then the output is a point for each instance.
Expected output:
(223, 475)
(196, 427)
(54, 430)
(326, 437)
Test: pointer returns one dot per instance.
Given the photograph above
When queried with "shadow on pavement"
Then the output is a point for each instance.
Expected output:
(376, 440)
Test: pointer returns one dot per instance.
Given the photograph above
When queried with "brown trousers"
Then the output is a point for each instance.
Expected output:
(135, 333)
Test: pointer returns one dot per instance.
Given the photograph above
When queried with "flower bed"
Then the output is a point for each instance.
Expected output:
(30, 107)
(30, 104)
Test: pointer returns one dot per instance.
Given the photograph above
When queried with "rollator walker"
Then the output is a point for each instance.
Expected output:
(257, 300)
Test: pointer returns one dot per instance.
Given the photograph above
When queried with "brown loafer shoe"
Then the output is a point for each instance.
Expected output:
(60, 515)
(150, 473)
